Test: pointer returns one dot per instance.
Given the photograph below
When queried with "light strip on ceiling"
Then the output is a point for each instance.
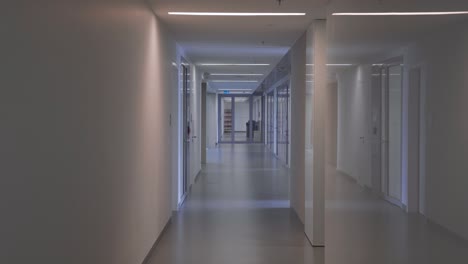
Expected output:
(236, 89)
(233, 64)
(234, 81)
(403, 13)
(334, 64)
(233, 14)
(236, 74)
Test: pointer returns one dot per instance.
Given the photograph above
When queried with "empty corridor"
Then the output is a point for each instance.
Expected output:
(238, 212)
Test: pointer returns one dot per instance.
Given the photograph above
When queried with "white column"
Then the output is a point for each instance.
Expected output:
(315, 186)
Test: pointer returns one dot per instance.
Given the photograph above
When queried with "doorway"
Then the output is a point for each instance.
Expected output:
(271, 121)
(282, 142)
(240, 118)
(187, 127)
(387, 115)
(278, 108)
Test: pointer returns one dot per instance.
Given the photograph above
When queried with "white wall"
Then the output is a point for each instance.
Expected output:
(211, 120)
(85, 156)
(242, 116)
(444, 60)
(332, 124)
(297, 135)
(354, 109)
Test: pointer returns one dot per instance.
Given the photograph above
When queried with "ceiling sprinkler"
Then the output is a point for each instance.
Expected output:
(279, 2)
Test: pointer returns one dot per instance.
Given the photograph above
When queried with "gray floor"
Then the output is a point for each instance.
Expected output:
(238, 212)
(240, 136)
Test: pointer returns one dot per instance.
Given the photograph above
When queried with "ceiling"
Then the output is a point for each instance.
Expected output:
(237, 39)
(267, 39)
(358, 39)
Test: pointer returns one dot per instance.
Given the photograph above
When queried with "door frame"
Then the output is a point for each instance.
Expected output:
(186, 136)
(383, 163)
(416, 141)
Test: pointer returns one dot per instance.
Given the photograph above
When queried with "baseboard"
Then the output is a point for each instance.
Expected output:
(297, 216)
(310, 241)
(349, 177)
(388, 199)
(153, 248)
(367, 188)
(182, 200)
(451, 232)
(197, 176)
(393, 201)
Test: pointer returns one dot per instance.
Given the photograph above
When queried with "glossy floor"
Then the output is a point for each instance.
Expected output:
(238, 212)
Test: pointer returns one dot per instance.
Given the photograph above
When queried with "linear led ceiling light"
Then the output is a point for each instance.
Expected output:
(403, 13)
(247, 92)
(334, 64)
(233, 81)
(236, 74)
(236, 89)
(233, 64)
(233, 14)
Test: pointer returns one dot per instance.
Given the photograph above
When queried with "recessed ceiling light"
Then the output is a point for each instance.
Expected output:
(236, 74)
(233, 14)
(233, 81)
(403, 13)
(233, 64)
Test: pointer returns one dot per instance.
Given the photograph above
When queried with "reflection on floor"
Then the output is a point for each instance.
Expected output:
(241, 136)
(226, 136)
(238, 213)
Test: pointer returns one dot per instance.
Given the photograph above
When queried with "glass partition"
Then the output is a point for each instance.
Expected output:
(240, 118)
(283, 123)
(257, 119)
(271, 120)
